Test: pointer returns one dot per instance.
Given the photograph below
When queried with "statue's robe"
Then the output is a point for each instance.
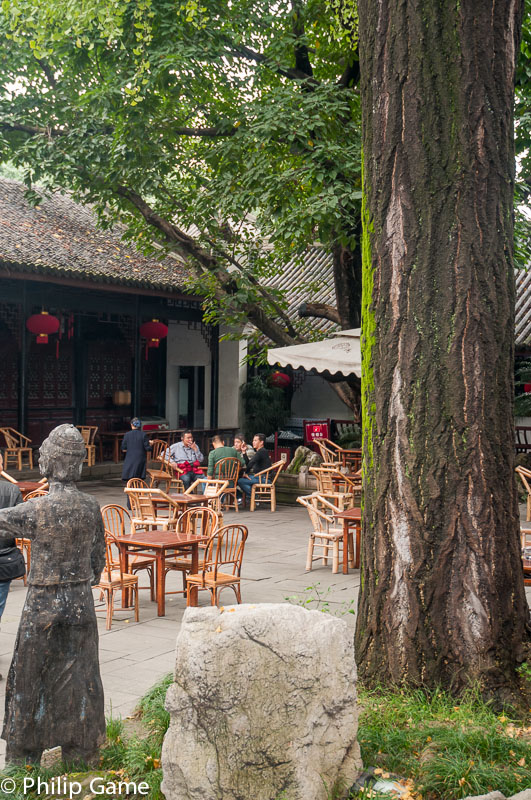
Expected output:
(54, 694)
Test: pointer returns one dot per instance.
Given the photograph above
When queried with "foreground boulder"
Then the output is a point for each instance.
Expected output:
(263, 704)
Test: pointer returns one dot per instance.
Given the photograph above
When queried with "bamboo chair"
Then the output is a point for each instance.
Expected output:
(148, 507)
(228, 469)
(158, 448)
(330, 479)
(136, 483)
(114, 579)
(17, 448)
(166, 473)
(328, 451)
(525, 476)
(88, 432)
(114, 521)
(212, 488)
(199, 520)
(325, 534)
(35, 493)
(221, 565)
(265, 490)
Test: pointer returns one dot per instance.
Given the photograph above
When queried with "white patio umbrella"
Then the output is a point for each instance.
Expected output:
(340, 354)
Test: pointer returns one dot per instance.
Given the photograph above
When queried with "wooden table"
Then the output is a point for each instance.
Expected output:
(185, 501)
(30, 486)
(160, 542)
(352, 516)
(351, 458)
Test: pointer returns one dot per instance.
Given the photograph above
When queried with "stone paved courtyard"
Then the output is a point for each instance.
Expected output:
(134, 656)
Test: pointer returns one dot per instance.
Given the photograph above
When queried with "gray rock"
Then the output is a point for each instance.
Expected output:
(263, 705)
(524, 795)
(490, 796)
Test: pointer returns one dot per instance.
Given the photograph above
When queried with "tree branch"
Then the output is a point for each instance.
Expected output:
(31, 129)
(187, 245)
(294, 74)
(50, 77)
(321, 310)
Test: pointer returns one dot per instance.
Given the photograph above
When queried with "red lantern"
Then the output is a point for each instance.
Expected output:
(153, 331)
(280, 380)
(43, 325)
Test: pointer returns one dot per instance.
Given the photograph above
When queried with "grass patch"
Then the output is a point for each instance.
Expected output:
(448, 748)
(445, 748)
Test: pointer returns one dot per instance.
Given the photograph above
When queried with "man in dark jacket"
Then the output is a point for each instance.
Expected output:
(135, 445)
(255, 464)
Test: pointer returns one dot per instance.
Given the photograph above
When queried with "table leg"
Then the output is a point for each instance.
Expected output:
(345, 547)
(161, 583)
(194, 592)
(126, 593)
(358, 545)
(115, 451)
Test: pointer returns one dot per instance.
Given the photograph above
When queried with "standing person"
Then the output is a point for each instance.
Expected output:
(135, 445)
(10, 495)
(255, 464)
(187, 456)
(219, 452)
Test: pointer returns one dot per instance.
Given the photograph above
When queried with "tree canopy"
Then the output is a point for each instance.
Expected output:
(228, 133)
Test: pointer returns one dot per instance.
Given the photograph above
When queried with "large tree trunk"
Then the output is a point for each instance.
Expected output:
(443, 597)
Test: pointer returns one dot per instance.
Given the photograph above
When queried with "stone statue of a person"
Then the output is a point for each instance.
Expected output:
(54, 694)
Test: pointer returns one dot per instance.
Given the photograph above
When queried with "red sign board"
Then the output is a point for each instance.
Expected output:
(317, 429)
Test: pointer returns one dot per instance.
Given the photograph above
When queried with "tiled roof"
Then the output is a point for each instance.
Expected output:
(61, 238)
(308, 280)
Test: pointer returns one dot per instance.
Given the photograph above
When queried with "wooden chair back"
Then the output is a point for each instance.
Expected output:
(35, 493)
(158, 447)
(14, 439)
(269, 476)
(136, 483)
(199, 520)
(525, 534)
(88, 432)
(328, 451)
(229, 545)
(115, 519)
(227, 469)
(525, 476)
(320, 520)
(150, 506)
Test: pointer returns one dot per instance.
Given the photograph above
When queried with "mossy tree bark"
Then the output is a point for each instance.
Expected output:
(443, 597)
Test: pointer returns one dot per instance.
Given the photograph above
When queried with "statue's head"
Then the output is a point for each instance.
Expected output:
(61, 455)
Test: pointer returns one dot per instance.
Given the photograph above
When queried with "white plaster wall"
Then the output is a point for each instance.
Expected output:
(316, 399)
(229, 383)
(186, 347)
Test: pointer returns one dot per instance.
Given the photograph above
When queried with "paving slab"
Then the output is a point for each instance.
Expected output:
(134, 656)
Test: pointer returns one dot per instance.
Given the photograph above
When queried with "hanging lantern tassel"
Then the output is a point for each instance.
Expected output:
(42, 325)
(153, 331)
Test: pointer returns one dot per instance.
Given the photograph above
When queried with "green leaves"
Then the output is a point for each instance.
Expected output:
(205, 110)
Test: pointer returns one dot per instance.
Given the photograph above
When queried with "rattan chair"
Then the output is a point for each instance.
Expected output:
(116, 518)
(222, 564)
(114, 579)
(199, 520)
(325, 534)
(228, 469)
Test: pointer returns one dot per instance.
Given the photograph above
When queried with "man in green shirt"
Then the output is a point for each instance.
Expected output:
(219, 452)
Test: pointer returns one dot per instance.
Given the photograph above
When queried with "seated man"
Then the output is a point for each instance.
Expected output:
(219, 452)
(255, 464)
(187, 456)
